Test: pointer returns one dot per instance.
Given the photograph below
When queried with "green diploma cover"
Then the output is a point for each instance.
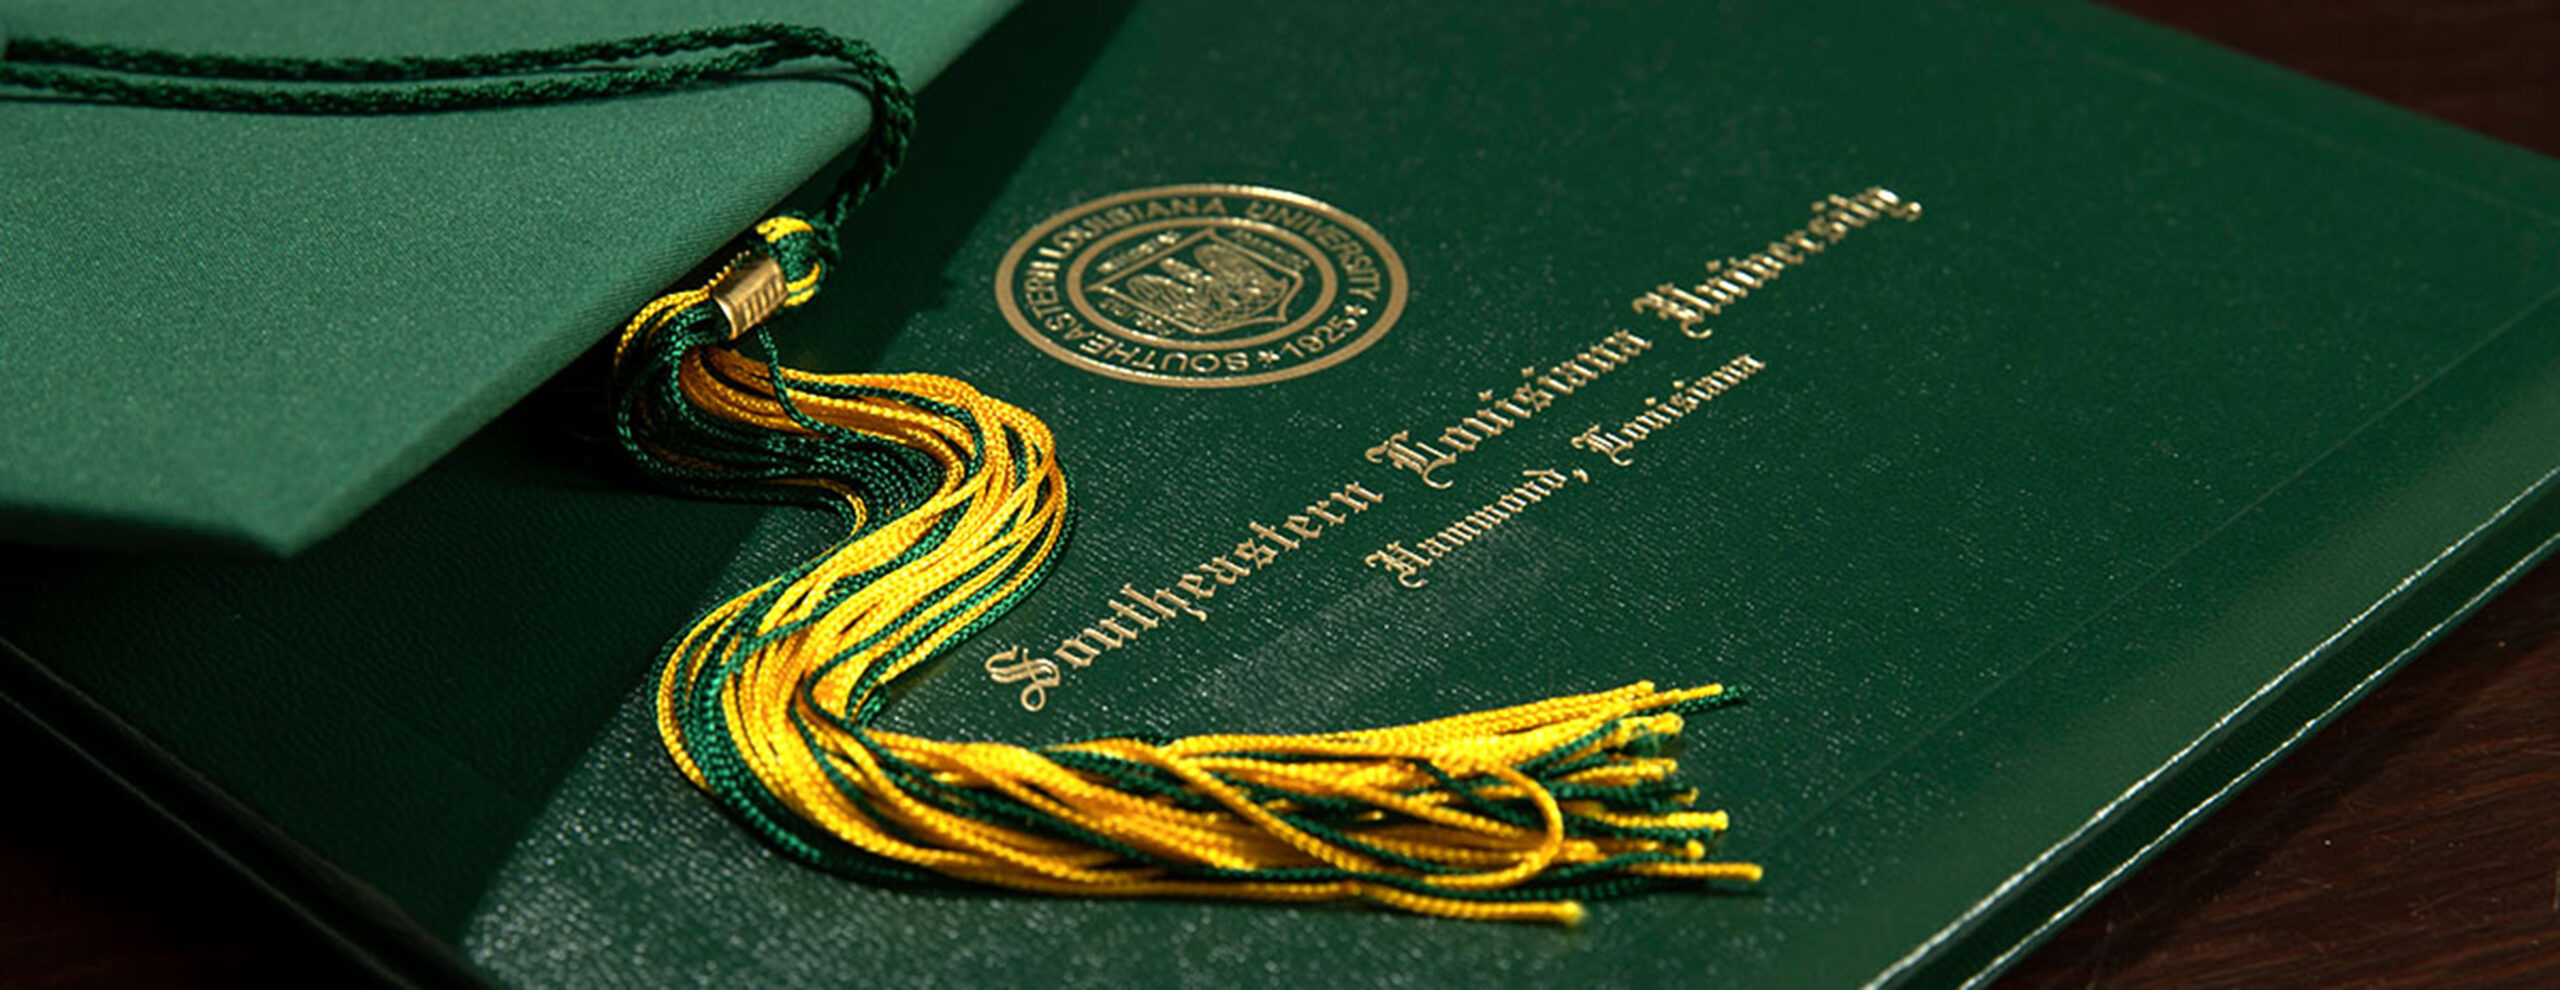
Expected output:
(2047, 420)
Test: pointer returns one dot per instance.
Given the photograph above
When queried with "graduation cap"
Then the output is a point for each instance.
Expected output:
(243, 329)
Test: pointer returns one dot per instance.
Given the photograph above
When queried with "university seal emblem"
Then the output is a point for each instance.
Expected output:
(1202, 286)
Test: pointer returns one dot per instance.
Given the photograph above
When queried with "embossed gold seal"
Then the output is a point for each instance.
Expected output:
(1202, 286)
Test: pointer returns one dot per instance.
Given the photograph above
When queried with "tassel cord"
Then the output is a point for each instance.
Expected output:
(772, 701)
(954, 508)
(372, 86)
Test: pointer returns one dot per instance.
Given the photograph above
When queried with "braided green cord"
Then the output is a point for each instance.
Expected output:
(675, 60)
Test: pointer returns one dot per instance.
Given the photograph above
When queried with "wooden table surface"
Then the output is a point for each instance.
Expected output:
(2416, 841)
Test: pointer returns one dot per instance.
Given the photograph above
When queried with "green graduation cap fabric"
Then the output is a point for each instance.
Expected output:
(242, 329)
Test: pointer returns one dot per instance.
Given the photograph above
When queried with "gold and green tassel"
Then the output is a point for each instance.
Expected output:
(954, 508)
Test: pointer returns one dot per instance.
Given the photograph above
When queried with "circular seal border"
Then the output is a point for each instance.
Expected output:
(1381, 321)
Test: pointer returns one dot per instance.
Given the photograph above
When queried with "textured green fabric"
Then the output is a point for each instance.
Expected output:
(243, 329)
(2201, 397)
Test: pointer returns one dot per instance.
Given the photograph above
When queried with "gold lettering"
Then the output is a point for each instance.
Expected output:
(1486, 422)
(1421, 459)
(1011, 666)
(1166, 603)
(1077, 651)
(1510, 406)
(1398, 561)
(1133, 615)
(1889, 203)
(1851, 212)
(1530, 395)
(1406, 565)
(1669, 303)
(1723, 288)
(1605, 444)
(1133, 612)
(1274, 536)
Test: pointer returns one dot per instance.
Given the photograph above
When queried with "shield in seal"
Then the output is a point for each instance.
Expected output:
(1207, 285)
(1201, 283)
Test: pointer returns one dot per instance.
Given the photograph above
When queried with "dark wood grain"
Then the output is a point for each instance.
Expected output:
(2414, 842)
(95, 891)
